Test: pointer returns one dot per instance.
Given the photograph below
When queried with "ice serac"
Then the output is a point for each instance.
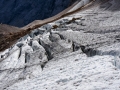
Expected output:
(20, 13)
(78, 52)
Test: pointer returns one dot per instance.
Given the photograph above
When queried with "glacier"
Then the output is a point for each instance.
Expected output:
(80, 51)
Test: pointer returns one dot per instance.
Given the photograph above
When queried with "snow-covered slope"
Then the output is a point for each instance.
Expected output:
(77, 52)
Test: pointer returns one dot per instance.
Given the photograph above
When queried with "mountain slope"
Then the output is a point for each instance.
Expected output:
(20, 13)
(13, 36)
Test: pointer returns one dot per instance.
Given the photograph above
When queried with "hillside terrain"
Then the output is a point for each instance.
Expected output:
(78, 49)
(20, 13)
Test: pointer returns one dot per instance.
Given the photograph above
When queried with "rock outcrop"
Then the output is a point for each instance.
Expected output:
(20, 13)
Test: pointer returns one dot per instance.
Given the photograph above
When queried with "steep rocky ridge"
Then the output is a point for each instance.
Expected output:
(77, 52)
(20, 13)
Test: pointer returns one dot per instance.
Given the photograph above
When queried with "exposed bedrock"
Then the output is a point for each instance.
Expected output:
(20, 13)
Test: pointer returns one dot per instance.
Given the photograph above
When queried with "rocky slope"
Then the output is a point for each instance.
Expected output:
(10, 37)
(77, 52)
(20, 13)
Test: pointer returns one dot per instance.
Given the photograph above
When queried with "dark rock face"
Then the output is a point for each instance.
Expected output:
(21, 12)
